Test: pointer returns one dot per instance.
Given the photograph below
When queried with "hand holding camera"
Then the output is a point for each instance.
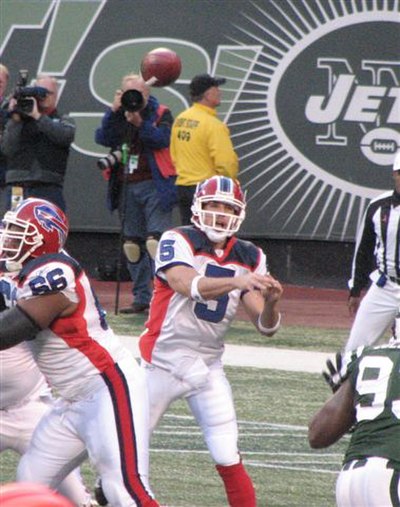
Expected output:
(27, 100)
(113, 159)
(110, 161)
(24, 102)
(116, 104)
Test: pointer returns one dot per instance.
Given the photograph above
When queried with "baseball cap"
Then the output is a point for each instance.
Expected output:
(396, 163)
(202, 82)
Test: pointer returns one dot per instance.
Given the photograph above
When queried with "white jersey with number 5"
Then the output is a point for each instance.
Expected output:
(179, 326)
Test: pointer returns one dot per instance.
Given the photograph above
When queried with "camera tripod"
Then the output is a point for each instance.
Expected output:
(122, 215)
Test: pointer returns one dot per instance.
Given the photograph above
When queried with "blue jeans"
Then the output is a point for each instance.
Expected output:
(143, 218)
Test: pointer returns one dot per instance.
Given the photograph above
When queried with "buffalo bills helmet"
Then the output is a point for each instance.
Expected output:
(25, 494)
(36, 227)
(223, 190)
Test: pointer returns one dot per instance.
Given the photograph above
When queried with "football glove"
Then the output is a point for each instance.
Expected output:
(99, 493)
(334, 376)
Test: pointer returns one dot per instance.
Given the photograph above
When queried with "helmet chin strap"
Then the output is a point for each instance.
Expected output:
(13, 266)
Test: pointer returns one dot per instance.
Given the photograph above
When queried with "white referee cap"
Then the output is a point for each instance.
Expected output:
(396, 163)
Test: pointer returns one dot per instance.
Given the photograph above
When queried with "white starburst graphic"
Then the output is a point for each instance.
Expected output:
(286, 187)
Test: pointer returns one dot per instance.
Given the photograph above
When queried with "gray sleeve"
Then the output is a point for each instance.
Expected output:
(16, 326)
(11, 137)
(59, 131)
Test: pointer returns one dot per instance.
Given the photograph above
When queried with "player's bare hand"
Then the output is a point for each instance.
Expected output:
(353, 304)
(254, 281)
(273, 292)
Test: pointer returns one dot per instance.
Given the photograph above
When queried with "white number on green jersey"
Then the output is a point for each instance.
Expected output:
(373, 382)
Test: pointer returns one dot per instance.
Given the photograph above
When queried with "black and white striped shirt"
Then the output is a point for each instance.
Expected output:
(378, 242)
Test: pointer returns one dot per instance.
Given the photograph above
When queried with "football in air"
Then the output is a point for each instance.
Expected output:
(161, 67)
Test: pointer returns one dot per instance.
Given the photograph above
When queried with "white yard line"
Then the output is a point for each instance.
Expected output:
(260, 357)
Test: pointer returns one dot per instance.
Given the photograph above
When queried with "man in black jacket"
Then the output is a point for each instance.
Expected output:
(36, 144)
(4, 78)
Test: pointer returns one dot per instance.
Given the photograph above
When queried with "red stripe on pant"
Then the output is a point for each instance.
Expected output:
(119, 391)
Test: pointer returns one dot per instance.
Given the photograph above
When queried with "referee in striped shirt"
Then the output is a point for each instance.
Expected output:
(377, 246)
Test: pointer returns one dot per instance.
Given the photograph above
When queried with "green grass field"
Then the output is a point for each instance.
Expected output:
(273, 409)
(244, 333)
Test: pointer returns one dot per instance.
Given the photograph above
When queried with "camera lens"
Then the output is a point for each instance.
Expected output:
(102, 163)
(109, 161)
(132, 101)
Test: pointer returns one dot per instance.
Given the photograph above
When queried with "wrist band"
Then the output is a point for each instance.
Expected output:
(194, 289)
(268, 330)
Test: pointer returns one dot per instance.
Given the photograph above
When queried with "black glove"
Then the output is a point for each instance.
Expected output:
(333, 376)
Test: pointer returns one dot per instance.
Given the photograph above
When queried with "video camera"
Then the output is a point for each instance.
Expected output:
(25, 94)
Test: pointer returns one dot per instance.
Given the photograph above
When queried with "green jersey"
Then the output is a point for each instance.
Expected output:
(374, 373)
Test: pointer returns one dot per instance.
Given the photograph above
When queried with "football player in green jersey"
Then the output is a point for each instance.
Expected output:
(368, 399)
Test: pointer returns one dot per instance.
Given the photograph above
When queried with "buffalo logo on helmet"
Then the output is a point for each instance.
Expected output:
(51, 220)
(36, 227)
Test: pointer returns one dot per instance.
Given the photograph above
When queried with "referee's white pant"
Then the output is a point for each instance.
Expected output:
(369, 482)
(376, 313)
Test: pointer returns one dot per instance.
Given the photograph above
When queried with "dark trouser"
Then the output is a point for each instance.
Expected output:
(3, 201)
(47, 191)
(185, 200)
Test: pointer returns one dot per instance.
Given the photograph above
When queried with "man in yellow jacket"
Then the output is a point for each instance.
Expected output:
(201, 146)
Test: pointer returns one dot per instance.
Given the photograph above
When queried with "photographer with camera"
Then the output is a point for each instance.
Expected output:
(4, 102)
(141, 178)
(36, 142)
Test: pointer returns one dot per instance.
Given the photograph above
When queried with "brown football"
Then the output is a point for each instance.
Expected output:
(163, 64)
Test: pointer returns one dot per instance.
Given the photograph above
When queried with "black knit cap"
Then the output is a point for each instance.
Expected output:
(202, 82)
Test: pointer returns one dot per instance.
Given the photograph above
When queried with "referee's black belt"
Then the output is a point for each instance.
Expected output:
(393, 279)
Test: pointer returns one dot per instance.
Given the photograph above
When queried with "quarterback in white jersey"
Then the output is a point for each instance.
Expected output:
(103, 406)
(203, 272)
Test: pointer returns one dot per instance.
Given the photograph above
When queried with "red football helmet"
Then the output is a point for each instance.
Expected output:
(25, 494)
(219, 189)
(36, 227)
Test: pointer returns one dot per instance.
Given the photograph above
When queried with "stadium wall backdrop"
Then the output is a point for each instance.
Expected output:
(311, 99)
(323, 264)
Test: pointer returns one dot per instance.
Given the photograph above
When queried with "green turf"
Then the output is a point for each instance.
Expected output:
(273, 409)
(244, 333)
